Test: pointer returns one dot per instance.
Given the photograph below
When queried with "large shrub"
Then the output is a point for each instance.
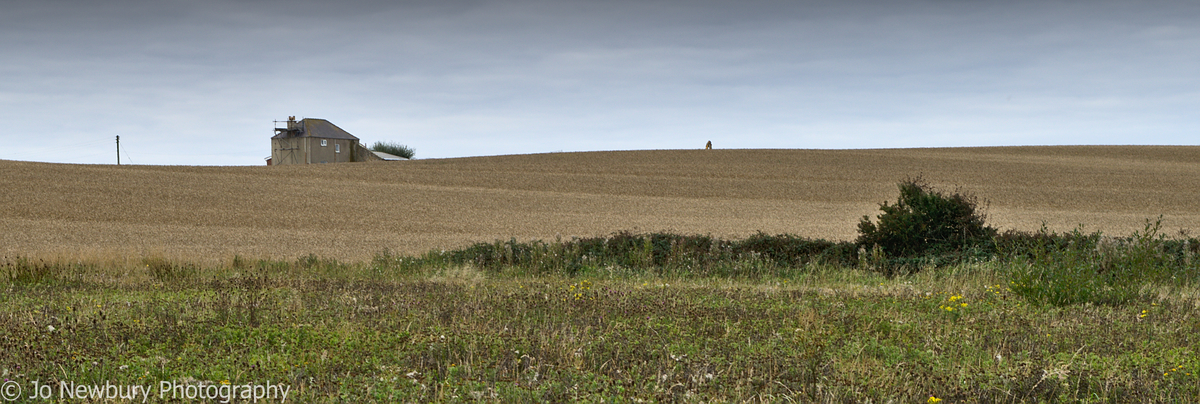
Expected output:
(925, 222)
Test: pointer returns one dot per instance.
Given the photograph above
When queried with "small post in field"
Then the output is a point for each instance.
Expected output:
(118, 149)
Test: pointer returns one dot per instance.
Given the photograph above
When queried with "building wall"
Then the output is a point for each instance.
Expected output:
(334, 150)
(287, 151)
(308, 150)
(362, 153)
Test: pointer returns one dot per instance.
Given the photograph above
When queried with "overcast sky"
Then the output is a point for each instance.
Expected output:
(200, 83)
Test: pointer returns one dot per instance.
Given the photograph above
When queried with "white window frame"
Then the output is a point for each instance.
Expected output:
(323, 143)
(337, 148)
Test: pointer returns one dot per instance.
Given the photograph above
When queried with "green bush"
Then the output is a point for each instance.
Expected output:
(925, 222)
(655, 253)
(394, 149)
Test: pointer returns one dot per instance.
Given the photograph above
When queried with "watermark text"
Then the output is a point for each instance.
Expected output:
(224, 392)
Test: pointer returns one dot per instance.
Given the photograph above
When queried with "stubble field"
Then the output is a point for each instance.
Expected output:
(352, 211)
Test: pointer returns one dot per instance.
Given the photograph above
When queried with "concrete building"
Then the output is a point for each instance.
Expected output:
(315, 141)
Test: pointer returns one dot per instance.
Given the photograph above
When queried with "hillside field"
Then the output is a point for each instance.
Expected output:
(352, 211)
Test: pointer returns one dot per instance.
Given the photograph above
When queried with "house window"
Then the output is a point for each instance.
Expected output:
(337, 148)
(323, 143)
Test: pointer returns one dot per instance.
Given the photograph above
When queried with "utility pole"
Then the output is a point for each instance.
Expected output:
(118, 149)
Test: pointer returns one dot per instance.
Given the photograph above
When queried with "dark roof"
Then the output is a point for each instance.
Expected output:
(314, 127)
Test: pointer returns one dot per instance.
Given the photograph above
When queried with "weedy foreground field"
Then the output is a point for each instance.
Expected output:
(352, 211)
(405, 329)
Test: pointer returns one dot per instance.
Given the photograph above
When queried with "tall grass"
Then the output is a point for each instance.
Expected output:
(631, 323)
(1076, 267)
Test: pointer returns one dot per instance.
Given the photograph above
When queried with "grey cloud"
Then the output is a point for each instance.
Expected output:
(489, 77)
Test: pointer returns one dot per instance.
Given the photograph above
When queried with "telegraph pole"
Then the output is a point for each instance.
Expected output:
(118, 149)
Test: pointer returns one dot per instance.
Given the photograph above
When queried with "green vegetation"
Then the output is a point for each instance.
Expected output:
(411, 329)
(1077, 268)
(1012, 317)
(925, 222)
(395, 149)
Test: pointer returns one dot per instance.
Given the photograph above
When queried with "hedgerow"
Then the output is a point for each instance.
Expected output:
(924, 229)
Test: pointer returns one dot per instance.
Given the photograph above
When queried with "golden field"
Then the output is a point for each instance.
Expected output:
(352, 211)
